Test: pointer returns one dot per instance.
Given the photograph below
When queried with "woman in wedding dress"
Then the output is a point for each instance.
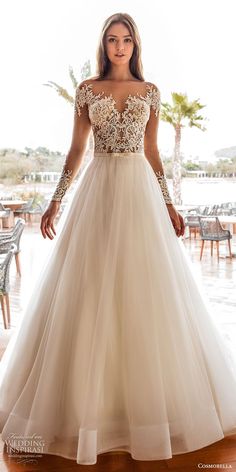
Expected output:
(117, 349)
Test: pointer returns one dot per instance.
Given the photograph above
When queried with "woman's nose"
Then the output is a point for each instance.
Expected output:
(119, 46)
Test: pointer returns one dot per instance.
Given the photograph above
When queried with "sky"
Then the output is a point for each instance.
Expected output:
(187, 47)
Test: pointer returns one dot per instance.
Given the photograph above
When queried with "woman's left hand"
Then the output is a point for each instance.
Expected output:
(177, 220)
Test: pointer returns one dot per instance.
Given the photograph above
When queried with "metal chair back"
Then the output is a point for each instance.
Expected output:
(13, 237)
(5, 270)
(211, 229)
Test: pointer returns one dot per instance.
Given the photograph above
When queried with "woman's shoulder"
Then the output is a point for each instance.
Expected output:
(152, 86)
(88, 81)
(154, 96)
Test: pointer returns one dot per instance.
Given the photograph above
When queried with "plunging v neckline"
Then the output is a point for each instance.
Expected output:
(126, 102)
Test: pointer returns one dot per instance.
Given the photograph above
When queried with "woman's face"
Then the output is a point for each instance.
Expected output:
(119, 44)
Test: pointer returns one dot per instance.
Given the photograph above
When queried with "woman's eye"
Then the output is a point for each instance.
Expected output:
(110, 40)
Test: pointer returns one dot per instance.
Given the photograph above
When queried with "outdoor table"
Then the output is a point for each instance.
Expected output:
(2, 218)
(12, 205)
(185, 209)
(230, 221)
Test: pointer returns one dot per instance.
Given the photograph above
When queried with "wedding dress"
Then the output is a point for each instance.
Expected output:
(117, 349)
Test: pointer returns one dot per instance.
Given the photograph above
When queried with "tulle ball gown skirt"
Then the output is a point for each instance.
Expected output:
(117, 349)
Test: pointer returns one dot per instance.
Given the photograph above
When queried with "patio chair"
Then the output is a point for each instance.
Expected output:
(24, 210)
(3, 208)
(205, 210)
(8, 234)
(211, 230)
(231, 210)
(37, 210)
(194, 211)
(13, 237)
(214, 210)
(226, 208)
(192, 222)
(5, 286)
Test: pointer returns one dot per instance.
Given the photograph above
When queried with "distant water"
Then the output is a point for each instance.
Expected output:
(194, 191)
(203, 191)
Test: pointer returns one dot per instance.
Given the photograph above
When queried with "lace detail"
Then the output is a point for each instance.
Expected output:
(154, 99)
(116, 131)
(164, 188)
(62, 185)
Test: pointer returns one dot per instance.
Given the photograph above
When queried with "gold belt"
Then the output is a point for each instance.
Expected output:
(118, 154)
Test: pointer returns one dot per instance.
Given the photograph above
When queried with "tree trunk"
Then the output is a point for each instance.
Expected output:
(177, 168)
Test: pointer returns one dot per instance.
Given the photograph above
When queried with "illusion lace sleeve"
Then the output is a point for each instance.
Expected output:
(81, 98)
(155, 105)
(163, 184)
(72, 161)
(155, 99)
(62, 185)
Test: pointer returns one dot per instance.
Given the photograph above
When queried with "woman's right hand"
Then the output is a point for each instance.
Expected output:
(47, 226)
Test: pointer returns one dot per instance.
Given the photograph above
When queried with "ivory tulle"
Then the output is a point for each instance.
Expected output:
(117, 349)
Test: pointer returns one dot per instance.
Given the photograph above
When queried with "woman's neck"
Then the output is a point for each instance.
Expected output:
(119, 74)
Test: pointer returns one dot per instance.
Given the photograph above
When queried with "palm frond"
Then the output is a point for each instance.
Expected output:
(61, 91)
(72, 77)
(181, 109)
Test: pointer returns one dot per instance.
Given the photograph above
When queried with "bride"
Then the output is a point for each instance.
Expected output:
(117, 349)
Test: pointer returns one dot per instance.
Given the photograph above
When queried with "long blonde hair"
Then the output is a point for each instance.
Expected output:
(102, 61)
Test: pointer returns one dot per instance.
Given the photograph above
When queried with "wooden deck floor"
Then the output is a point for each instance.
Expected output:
(220, 455)
(219, 282)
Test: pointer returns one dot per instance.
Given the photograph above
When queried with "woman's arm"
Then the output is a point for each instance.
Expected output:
(150, 144)
(152, 154)
(81, 130)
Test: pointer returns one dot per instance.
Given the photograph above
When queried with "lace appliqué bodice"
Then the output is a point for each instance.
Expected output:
(116, 131)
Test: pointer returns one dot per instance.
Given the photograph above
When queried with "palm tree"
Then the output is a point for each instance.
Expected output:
(174, 114)
(62, 92)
